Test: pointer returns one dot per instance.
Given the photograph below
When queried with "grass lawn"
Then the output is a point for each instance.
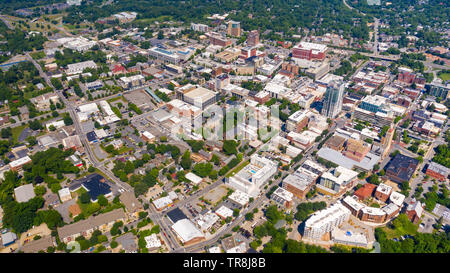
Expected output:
(38, 55)
(445, 76)
(117, 98)
(399, 231)
(124, 149)
(16, 131)
(237, 169)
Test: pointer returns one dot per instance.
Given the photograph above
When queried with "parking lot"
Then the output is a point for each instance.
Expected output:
(140, 98)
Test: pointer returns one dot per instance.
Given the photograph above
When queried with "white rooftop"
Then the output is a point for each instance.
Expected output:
(162, 202)
(152, 241)
(20, 161)
(284, 194)
(224, 212)
(383, 188)
(340, 175)
(373, 211)
(186, 230)
(64, 192)
(193, 178)
(240, 197)
(24, 193)
(214, 249)
(328, 215)
(352, 202)
(397, 198)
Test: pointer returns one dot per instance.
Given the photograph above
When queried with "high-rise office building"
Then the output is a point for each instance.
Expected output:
(253, 38)
(332, 105)
(234, 28)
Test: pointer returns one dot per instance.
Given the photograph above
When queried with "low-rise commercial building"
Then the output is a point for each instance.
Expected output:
(24, 193)
(401, 168)
(282, 197)
(64, 194)
(16, 165)
(162, 203)
(187, 232)
(438, 171)
(337, 181)
(78, 68)
(240, 198)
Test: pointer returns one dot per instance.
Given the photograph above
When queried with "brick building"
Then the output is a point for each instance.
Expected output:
(438, 171)
(383, 192)
(309, 51)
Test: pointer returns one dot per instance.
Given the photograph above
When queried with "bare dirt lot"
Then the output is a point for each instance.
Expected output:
(216, 194)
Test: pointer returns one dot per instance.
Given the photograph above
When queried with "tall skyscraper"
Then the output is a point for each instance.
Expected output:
(234, 29)
(253, 38)
(332, 104)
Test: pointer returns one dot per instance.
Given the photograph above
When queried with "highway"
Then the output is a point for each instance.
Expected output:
(375, 30)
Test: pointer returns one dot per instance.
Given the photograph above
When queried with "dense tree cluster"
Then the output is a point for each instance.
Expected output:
(69, 56)
(404, 16)
(285, 16)
(279, 242)
(18, 41)
(420, 243)
(305, 209)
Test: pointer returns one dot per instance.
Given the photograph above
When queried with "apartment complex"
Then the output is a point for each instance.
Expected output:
(253, 176)
(86, 227)
(325, 221)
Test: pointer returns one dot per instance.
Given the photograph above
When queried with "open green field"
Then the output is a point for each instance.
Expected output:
(237, 169)
(16, 131)
(445, 76)
(124, 149)
(116, 99)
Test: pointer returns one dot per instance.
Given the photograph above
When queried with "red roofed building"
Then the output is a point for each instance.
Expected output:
(285, 44)
(118, 69)
(414, 211)
(365, 191)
